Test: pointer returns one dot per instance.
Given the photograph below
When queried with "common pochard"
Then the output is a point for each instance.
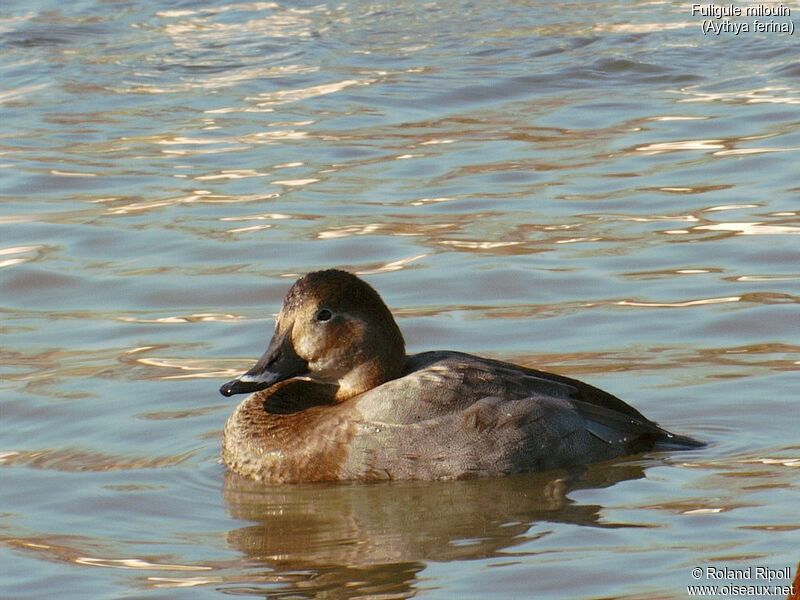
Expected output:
(335, 397)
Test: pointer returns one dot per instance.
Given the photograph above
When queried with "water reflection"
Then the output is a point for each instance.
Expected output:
(371, 537)
(765, 95)
(76, 459)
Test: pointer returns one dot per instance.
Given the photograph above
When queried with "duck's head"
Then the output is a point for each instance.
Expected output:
(332, 328)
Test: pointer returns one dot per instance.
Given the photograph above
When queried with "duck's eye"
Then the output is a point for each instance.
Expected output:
(324, 315)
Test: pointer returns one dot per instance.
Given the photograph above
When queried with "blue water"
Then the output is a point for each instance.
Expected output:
(595, 188)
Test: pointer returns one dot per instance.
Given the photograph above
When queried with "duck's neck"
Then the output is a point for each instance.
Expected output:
(369, 375)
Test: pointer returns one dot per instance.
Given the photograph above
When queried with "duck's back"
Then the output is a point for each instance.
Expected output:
(454, 415)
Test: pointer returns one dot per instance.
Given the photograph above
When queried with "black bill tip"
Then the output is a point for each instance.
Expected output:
(237, 386)
(227, 389)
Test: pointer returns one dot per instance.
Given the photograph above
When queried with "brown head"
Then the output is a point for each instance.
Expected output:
(333, 328)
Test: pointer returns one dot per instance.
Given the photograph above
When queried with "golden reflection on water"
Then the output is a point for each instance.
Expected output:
(124, 206)
(642, 28)
(397, 228)
(394, 265)
(77, 460)
(744, 151)
(764, 278)
(134, 563)
(182, 582)
(775, 357)
(72, 549)
(659, 148)
(72, 173)
(231, 174)
(452, 230)
(268, 216)
(289, 96)
(683, 304)
(198, 369)
(731, 207)
(43, 372)
(294, 182)
(768, 95)
(751, 228)
(194, 318)
(17, 255)
(249, 229)
(177, 368)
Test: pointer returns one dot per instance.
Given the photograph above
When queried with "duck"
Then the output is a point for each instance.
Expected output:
(335, 397)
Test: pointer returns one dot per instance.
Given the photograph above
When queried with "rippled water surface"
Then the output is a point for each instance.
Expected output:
(594, 188)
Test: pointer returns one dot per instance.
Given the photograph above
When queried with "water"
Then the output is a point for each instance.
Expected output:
(594, 188)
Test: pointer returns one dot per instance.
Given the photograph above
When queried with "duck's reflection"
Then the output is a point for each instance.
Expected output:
(375, 538)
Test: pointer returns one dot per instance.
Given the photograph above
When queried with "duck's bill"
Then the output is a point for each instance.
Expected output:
(279, 362)
(246, 385)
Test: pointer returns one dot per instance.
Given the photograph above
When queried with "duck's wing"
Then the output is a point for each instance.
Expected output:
(440, 383)
(445, 380)
(492, 436)
(455, 415)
